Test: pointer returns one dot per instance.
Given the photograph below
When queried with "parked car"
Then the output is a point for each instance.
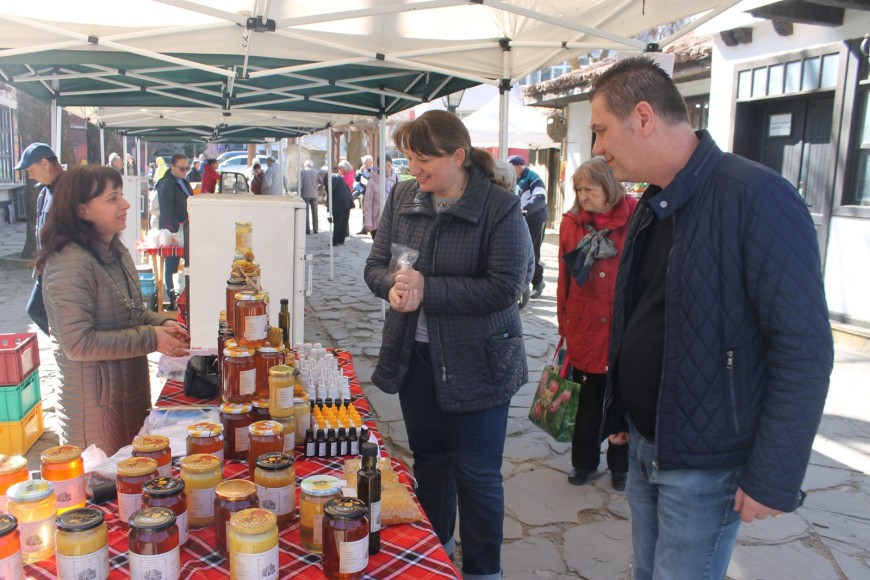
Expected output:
(240, 163)
(400, 164)
(233, 181)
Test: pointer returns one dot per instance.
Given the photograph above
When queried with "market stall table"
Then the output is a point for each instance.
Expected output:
(407, 550)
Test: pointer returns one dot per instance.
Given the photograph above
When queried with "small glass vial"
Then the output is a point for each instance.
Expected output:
(231, 496)
(345, 539)
(13, 469)
(281, 382)
(63, 466)
(264, 437)
(34, 506)
(205, 437)
(168, 492)
(238, 375)
(82, 545)
(157, 448)
(132, 475)
(153, 544)
(275, 477)
(201, 474)
(289, 424)
(266, 358)
(251, 318)
(235, 420)
(11, 566)
(253, 545)
(234, 286)
(316, 491)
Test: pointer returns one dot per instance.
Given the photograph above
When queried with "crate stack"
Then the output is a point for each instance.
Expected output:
(149, 289)
(20, 398)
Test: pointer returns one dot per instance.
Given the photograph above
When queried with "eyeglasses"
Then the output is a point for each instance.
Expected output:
(185, 168)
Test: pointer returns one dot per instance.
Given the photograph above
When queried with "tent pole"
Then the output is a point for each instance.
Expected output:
(504, 90)
(299, 166)
(58, 125)
(382, 183)
(102, 145)
(329, 199)
(53, 116)
(138, 156)
(124, 156)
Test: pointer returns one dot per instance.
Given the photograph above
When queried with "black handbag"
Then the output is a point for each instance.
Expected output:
(201, 377)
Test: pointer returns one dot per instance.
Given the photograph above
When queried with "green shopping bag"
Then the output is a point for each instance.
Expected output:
(554, 407)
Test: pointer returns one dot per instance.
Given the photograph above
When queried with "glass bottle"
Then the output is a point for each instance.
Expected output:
(303, 417)
(289, 424)
(234, 286)
(316, 490)
(34, 506)
(284, 321)
(251, 318)
(281, 382)
(245, 240)
(153, 544)
(156, 447)
(264, 437)
(238, 375)
(368, 489)
(11, 566)
(261, 409)
(82, 545)
(168, 492)
(13, 469)
(320, 445)
(331, 443)
(201, 474)
(275, 477)
(235, 420)
(132, 474)
(266, 358)
(231, 496)
(205, 437)
(310, 445)
(345, 539)
(63, 466)
(253, 545)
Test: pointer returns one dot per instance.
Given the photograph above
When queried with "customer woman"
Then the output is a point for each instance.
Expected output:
(452, 345)
(101, 331)
(372, 201)
(591, 238)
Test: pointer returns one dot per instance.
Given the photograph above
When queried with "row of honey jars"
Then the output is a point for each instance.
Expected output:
(155, 447)
(245, 372)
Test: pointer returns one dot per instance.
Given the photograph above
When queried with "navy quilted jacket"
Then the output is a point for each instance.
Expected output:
(748, 346)
(468, 258)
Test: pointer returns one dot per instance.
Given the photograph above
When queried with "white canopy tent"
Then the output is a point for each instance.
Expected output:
(526, 126)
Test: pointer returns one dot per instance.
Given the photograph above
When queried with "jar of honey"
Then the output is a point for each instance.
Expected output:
(153, 544)
(231, 496)
(82, 545)
(205, 437)
(244, 240)
(253, 545)
(264, 437)
(11, 566)
(260, 409)
(275, 477)
(238, 375)
(266, 358)
(132, 474)
(289, 424)
(13, 469)
(201, 474)
(317, 490)
(63, 466)
(33, 504)
(251, 318)
(302, 412)
(281, 383)
(234, 286)
(157, 448)
(168, 492)
(235, 420)
(345, 539)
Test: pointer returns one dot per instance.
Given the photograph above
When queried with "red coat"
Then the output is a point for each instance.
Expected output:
(584, 311)
(210, 177)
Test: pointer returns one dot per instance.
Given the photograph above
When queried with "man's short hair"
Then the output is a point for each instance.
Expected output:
(309, 164)
(176, 158)
(256, 166)
(270, 160)
(635, 79)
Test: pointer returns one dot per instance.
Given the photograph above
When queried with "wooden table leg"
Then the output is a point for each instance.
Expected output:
(157, 267)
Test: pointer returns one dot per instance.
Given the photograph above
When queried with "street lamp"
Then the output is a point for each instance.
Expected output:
(452, 101)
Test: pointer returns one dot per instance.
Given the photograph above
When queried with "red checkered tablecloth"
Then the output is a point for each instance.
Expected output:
(409, 551)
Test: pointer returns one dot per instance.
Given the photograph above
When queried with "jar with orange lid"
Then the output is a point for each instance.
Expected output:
(238, 375)
(168, 492)
(153, 544)
(157, 448)
(82, 545)
(253, 545)
(345, 539)
(205, 437)
(132, 474)
(260, 409)
(63, 466)
(281, 382)
(251, 318)
(201, 474)
(264, 437)
(266, 358)
(13, 469)
(316, 490)
(33, 504)
(275, 477)
(234, 286)
(289, 424)
(231, 496)
(11, 566)
(235, 420)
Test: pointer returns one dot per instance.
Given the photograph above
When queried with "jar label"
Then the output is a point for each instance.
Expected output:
(12, 568)
(289, 442)
(255, 327)
(183, 527)
(37, 536)
(93, 565)
(278, 500)
(353, 556)
(284, 397)
(70, 492)
(248, 381)
(262, 566)
(375, 515)
(200, 503)
(167, 565)
(128, 504)
(318, 529)
(241, 439)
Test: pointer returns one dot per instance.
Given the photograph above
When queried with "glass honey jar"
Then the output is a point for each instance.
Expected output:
(264, 437)
(82, 545)
(253, 545)
(316, 491)
(251, 318)
(33, 504)
(205, 437)
(244, 240)
(13, 469)
(11, 566)
(153, 544)
(260, 409)
(168, 492)
(345, 539)
(235, 420)
(238, 375)
(281, 382)
(201, 474)
(231, 496)
(289, 424)
(234, 286)
(132, 475)
(266, 358)
(275, 477)
(63, 466)
(157, 448)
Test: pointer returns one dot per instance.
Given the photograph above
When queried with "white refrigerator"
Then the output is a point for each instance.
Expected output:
(278, 224)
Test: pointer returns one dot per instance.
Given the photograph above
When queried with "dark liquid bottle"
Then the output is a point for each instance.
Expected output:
(332, 444)
(342, 442)
(284, 322)
(320, 443)
(310, 449)
(352, 443)
(369, 490)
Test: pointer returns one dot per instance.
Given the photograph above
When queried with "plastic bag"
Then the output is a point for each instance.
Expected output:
(403, 257)
(554, 406)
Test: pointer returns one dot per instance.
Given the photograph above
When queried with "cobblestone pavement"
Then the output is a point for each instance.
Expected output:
(554, 530)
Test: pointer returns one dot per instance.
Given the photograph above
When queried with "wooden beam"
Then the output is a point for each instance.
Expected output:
(801, 12)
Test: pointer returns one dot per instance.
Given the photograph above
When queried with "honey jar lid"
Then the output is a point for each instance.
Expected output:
(275, 461)
(235, 408)
(270, 349)
(320, 485)
(27, 491)
(236, 351)
(251, 296)
(231, 343)
(346, 508)
(200, 462)
(234, 281)
(261, 428)
(260, 403)
(235, 489)
(80, 520)
(137, 466)
(8, 524)
(150, 443)
(61, 454)
(152, 519)
(11, 464)
(253, 521)
(204, 429)
(163, 486)
(280, 370)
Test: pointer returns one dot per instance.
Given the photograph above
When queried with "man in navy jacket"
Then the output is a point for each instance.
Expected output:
(721, 347)
(533, 201)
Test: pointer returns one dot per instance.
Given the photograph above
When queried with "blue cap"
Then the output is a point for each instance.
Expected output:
(34, 152)
(516, 160)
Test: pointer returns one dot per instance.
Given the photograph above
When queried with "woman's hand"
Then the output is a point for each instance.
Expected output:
(172, 341)
(177, 328)
(406, 295)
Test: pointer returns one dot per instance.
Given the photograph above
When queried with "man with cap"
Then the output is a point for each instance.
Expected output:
(42, 166)
(533, 202)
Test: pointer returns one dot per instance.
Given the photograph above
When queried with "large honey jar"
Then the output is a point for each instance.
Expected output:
(251, 318)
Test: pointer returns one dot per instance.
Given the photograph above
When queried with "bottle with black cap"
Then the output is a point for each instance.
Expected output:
(331, 444)
(320, 444)
(284, 321)
(310, 449)
(369, 490)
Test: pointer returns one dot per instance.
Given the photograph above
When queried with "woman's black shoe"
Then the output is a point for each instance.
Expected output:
(618, 480)
(579, 477)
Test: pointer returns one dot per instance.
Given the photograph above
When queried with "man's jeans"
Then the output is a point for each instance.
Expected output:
(457, 454)
(683, 523)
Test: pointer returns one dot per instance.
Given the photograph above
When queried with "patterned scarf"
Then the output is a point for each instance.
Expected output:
(595, 245)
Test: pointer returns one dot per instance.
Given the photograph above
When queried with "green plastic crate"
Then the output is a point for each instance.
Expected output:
(16, 401)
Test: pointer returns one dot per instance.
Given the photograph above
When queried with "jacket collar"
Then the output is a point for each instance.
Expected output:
(618, 216)
(468, 208)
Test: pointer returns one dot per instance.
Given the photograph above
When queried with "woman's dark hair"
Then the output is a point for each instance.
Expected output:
(438, 134)
(63, 225)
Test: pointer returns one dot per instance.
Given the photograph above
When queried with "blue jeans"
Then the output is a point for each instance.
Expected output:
(683, 523)
(457, 455)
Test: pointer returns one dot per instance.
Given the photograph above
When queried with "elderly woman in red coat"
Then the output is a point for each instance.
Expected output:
(591, 238)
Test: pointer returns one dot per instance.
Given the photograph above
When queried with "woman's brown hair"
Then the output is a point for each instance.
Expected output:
(598, 172)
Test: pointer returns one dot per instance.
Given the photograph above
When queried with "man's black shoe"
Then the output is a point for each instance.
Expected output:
(618, 479)
(538, 289)
(579, 477)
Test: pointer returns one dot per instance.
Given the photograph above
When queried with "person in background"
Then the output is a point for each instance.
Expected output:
(372, 201)
(273, 180)
(342, 202)
(591, 238)
(194, 175)
(172, 193)
(210, 176)
(308, 181)
(115, 162)
(533, 199)
(721, 348)
(506, 177)
(359, 189)
(452, 343)
(159, 169)
(345, 169)
(43, 167)
(101, 330)
(131, 165)
(257, 180)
